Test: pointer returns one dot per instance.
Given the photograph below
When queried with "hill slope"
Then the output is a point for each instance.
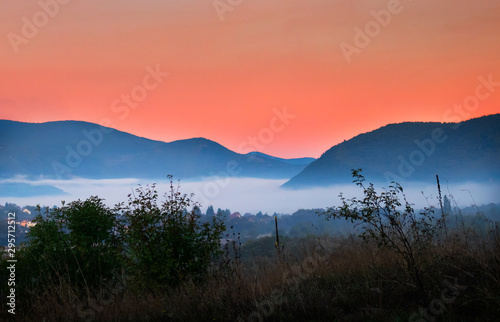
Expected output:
(297, 161)
(413, 151)
(69, 149)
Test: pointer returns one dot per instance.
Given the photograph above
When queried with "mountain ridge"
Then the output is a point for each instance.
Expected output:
(413, 151)
(67, 149)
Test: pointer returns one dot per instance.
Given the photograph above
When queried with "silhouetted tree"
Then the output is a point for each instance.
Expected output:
(210, 211)
(446, 205)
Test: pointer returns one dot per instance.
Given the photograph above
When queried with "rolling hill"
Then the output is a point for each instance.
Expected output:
(69, 149)
(412, 151)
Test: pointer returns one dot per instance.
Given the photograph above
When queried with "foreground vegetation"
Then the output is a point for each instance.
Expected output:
(152, 261)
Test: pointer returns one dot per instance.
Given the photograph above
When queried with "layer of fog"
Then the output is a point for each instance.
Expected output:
(251, 195)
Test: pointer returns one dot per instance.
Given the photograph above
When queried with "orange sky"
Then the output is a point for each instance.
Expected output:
(230, 71)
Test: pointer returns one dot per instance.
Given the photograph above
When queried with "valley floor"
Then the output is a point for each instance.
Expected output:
(327, 279)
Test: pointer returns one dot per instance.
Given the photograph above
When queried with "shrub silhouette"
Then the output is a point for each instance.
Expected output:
(167, 244)
(74, 244)
(392, 224)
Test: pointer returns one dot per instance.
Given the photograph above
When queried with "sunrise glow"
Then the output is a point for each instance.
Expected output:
(224, 72)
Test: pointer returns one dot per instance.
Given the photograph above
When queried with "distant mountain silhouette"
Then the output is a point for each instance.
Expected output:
(412, 151)
(68, 149)
(23, 190)
(296, 161)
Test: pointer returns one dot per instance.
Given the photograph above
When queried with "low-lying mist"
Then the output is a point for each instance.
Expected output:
(250, 194)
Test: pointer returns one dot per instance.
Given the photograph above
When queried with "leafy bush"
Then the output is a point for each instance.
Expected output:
(75, 244)
(165, 243)
(392, 224)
